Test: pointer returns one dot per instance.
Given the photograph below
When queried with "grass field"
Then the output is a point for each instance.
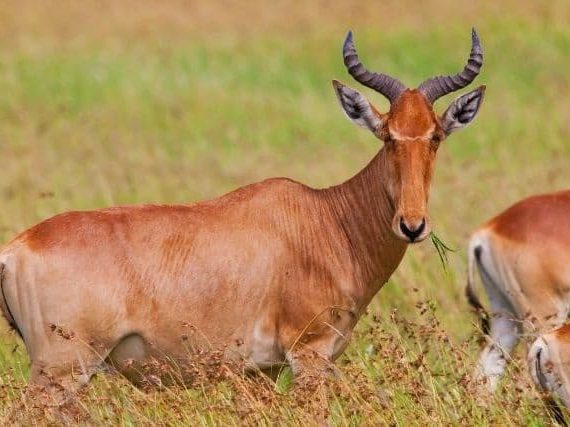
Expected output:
(105, 103)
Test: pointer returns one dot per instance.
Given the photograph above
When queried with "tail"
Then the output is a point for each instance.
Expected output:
(5, 308)
(474, 256)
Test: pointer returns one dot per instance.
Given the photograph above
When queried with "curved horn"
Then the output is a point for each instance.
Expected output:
(386, 85)
(436, 87)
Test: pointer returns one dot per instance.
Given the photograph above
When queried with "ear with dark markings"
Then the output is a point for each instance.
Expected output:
(357, 107)
(462, 111)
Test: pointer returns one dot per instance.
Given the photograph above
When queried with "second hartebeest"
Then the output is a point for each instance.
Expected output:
(523, 259)
(549, 363)
(272, 273)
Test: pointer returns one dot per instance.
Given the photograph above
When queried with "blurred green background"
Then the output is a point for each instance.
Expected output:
(107, 102)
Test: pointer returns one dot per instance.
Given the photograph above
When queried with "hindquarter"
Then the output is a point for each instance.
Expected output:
(535, 278)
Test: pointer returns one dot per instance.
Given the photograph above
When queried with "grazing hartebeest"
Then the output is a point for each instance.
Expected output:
(549, 362)
(523, 259)
(273, 273)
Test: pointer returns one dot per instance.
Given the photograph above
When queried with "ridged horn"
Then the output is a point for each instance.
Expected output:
(437, 87)
(388, 86)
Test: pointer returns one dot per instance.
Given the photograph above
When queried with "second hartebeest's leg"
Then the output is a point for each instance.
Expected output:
(495, 356)
(503, 337)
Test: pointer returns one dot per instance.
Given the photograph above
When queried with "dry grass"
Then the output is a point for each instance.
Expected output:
(126, 102)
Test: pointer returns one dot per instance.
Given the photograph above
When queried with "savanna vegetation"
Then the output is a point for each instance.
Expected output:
(107, 102)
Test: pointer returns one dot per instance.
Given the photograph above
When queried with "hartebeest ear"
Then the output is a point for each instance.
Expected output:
(357, 107)
(462, 111)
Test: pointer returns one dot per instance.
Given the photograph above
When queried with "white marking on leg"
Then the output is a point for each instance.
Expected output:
(495, 356)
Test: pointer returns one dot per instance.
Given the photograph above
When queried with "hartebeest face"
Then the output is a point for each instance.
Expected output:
(411, 131)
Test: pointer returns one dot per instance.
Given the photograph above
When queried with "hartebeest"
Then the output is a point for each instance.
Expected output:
(549, 362)
(274, 272)
(523, 259)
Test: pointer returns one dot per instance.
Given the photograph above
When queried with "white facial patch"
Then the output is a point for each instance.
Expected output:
(402, 137)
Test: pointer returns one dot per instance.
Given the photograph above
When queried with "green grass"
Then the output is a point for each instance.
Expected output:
(139, 110)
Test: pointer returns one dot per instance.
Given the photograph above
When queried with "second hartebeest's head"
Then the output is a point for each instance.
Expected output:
(411, 130)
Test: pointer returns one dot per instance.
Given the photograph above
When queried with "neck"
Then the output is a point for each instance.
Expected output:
(364, 212)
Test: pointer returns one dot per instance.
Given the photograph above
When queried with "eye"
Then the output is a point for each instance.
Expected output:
(386, 137)
(436, 138)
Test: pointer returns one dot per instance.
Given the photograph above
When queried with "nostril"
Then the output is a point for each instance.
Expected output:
(422, 226)
(403, 226)
(412, 233)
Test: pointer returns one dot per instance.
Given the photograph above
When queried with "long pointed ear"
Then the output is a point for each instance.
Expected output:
(462, 111)
(357, 108)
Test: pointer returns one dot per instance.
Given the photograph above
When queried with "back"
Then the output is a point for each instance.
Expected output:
(535, 219)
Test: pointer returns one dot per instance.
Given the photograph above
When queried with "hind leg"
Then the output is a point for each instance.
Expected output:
(496, 354)
(503, 337)
(57, 373)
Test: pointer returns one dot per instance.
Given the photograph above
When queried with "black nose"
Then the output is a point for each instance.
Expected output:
(412, 234)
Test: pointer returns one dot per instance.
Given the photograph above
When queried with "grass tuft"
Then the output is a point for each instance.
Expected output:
(441, 248)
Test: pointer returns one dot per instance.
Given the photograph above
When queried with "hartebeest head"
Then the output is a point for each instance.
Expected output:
(411, 130)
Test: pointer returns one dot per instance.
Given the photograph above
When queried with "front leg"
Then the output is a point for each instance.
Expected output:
(310, 368)
(315, 348)
(312, 372)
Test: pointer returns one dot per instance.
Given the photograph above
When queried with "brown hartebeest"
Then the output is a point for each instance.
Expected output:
(523, 259)
(274, 272)
(549, 362)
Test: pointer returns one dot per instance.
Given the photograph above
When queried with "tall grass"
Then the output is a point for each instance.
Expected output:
(129, 102)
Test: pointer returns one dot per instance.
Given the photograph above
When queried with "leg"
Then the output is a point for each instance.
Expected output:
(495, 356)
(310, 368)
(311, 355)
(311, 372)
(57, 374)
(504, 335)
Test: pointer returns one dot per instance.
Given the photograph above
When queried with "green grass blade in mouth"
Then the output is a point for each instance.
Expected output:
(441, 248)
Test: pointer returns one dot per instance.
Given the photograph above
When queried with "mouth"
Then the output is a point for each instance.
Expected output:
(411, 240)
(414, 240)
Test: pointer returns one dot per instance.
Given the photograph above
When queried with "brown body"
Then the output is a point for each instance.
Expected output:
(523, 258)
(248, 271)
(272, 273)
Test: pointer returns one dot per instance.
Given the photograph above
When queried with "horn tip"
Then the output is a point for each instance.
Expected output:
(348, 39)
(475, 37)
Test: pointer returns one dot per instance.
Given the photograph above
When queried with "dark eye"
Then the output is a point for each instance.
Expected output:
(436, 138)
